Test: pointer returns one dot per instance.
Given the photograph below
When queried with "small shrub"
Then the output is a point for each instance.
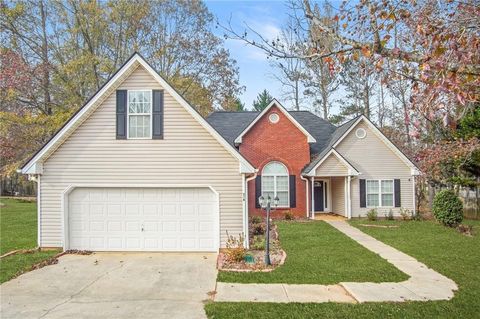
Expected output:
(447, 208)
(259, 229)
(258, 243)
(465, 229)
(256, 219)
(289, 215)
(235, 250)
(372, 214)
(416, 216)
(390, 215)
(405, 213)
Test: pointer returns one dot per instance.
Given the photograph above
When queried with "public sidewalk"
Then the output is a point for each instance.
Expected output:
(424, 283)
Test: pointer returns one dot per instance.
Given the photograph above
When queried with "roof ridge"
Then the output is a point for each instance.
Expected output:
(228, 111)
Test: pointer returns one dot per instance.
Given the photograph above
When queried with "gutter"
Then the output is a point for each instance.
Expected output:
(245, 206)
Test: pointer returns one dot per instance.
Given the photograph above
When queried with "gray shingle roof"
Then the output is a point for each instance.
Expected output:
(231, 124)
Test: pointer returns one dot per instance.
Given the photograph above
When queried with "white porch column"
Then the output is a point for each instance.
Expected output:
(349, 199)
(313, 199)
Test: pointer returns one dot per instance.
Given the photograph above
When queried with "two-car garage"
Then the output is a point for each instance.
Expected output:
(142, 219)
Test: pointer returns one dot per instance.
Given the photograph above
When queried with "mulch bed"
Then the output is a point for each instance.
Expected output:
(277, 257)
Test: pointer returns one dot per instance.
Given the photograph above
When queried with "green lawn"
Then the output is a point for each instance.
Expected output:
(317, 253)
(445, 250)
(18, 230)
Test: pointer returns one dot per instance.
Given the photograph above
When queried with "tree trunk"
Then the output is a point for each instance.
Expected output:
(45, 61)
(431, 195)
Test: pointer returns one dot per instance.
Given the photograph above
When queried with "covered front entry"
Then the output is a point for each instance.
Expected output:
(142, 219)
(331, 186)
(320, 195)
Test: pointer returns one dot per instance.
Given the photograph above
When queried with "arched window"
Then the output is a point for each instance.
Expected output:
(275, 183)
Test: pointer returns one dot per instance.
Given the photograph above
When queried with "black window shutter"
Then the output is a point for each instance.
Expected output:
(293, 193)
(121, 117)
(396, 187)
(157, 113)
(258, 190)
(363, 194)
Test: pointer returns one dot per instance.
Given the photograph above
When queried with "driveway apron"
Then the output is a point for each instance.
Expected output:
(113, 285)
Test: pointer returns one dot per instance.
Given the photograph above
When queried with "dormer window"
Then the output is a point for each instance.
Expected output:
(139, 114)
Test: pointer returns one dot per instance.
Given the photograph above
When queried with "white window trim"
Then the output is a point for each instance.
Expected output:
(150, 114)
(275, 183)
(380, 193)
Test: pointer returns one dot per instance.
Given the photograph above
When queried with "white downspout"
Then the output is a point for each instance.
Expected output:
(306, 190)
(313, 198)
(349, 203)
(39, 212)
(245, 206)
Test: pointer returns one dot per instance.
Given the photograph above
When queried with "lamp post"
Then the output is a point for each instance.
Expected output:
(266, 204)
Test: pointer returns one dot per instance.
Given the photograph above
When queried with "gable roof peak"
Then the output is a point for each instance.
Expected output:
(34, 164)
(274, 101)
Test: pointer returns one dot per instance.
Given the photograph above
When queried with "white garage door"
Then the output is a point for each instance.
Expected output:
(143, 219)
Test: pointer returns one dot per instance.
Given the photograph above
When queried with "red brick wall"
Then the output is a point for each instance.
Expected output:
(283, 142)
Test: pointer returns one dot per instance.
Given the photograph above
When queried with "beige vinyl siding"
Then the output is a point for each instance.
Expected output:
(338, 195)
(331, 167)
(375, 160)
(188, 155)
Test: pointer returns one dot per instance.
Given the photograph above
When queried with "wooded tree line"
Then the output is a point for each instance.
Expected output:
(412, 67)
(56, 54)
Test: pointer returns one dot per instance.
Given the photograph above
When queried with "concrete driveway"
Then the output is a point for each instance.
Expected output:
(113, 285)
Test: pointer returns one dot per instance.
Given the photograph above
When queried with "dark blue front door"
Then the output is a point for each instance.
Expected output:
(318, 196)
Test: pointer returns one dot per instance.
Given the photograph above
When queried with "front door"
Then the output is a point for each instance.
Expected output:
(318, 196)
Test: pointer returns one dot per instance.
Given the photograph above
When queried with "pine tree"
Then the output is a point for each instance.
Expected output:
(263, 99)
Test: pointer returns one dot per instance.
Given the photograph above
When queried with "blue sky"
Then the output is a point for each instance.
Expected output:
(264, 16)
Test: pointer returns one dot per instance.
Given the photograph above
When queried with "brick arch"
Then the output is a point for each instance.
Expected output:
(276, 159)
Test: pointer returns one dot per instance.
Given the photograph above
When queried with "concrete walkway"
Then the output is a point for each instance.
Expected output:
(424, 283)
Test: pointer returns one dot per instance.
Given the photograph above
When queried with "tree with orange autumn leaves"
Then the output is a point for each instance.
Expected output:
(432, 47)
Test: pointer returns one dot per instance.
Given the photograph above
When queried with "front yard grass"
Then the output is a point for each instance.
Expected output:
(18, 230)
(317, 253)
(445, 250)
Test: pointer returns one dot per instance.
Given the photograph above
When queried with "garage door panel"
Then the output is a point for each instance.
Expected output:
(115, 194)
(143, 219)
(114, 210)
(115, 242)
(150, 209)
(169, 209)
(187, 210)
(114, 226)
(169, 195)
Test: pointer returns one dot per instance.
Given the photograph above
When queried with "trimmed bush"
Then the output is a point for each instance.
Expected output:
(289, 215)
(259, 229)
(256, 219)
(258, 243)
(372, 214)
(447, 208)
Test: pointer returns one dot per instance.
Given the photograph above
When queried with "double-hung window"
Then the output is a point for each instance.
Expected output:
(379, 193)
(275, 183)
(139, 114)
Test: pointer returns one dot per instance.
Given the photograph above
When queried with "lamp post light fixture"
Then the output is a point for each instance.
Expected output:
(266, 204)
